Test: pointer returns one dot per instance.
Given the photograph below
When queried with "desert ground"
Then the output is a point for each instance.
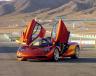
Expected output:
(9, 66)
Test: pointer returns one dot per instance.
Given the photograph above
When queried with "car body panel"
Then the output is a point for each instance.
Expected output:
(36, 52)
(44, 53)
(70, 51)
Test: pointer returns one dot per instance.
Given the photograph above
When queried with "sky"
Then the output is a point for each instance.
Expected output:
(5, 0)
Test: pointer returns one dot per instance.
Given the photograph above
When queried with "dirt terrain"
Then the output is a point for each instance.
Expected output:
(9, 66)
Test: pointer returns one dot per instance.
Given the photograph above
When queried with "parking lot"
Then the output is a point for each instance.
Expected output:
(9, 66)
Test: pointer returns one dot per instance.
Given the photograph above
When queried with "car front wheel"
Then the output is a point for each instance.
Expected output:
(56, 55)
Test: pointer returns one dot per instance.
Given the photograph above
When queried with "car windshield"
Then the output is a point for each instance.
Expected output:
(40, 42)
(36, 42)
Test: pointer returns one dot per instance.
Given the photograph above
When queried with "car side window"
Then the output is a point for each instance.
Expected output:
(36, 31)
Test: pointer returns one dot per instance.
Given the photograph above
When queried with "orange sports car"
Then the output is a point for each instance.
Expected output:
(34, 44)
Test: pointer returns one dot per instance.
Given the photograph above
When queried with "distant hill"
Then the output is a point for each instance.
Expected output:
(17, 12)
(48, 7)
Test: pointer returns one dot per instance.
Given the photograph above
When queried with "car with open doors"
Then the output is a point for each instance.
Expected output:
(34, 44)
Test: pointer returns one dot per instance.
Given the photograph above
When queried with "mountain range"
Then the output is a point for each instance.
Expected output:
(46, 8)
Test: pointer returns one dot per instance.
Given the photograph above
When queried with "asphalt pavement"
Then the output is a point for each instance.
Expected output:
(9, 66)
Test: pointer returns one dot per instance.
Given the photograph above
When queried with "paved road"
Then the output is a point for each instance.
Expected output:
(9, 66)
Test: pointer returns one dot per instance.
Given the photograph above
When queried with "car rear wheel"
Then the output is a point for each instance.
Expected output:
(76, 55)
(56, 55)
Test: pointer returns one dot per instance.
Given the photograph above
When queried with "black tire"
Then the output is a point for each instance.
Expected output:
(56, 55)
(76, 55)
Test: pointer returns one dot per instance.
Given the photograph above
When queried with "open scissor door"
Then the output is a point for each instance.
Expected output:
(60, 33)
(32, 32)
